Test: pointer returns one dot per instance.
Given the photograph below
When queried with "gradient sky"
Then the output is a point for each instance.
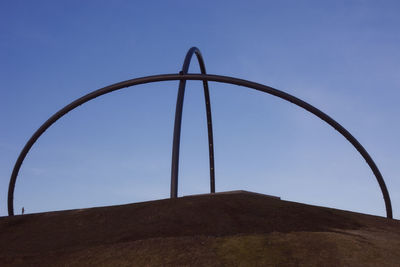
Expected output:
(341, 56)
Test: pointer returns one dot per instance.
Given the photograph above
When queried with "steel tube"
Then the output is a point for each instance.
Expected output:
(178, 123)
(201, 77)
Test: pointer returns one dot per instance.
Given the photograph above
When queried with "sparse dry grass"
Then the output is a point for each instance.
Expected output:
(220, 230)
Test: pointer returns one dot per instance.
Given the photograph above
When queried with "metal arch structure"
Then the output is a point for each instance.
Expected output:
(178, 123)
(200, 77)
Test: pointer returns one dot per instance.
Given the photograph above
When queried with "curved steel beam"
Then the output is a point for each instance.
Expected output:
(201, 77)
(178, 123)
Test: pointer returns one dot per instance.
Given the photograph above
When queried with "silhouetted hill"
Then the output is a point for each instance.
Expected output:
(237, 228)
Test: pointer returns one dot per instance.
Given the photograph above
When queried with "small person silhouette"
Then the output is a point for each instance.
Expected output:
(23, 210)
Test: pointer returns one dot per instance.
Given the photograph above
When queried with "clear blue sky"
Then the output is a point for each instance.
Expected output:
(341, 56)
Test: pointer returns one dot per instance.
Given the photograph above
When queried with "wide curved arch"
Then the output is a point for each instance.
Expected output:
(178, 123)
(201, 77)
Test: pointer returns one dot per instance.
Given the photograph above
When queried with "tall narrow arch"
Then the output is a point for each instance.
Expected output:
(178, 123)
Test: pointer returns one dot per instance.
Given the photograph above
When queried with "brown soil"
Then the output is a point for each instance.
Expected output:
(237, 229)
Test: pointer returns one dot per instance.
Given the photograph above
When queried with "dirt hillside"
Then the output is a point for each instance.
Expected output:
(234, 229)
